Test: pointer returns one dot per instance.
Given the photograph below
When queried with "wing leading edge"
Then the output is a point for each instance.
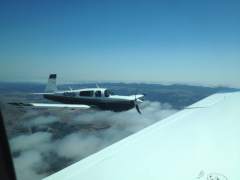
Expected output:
(46, 105)
(195, 143)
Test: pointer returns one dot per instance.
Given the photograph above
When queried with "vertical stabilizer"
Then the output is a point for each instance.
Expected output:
(51, 85)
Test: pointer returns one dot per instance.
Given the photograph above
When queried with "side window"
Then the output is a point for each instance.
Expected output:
(98, 94)
(86, 93)
(106, 93)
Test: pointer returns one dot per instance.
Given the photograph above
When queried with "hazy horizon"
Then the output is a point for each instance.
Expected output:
(59, 82)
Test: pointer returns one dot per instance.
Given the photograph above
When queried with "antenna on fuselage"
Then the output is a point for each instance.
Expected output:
(97, 86)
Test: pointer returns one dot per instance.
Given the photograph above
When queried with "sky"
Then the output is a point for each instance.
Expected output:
(171, 41)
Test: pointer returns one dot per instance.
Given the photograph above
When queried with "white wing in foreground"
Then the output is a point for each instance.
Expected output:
(46, 105)
(195, 143)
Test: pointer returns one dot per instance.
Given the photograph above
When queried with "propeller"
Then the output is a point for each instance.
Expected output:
(137, 108)
(137, 102)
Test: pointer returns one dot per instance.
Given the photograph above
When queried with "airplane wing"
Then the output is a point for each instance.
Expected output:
(199, 142)
(46, 105)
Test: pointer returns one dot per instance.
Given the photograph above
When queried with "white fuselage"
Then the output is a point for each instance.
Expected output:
(99, 97)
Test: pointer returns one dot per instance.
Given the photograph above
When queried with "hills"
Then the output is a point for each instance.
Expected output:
(177, 95)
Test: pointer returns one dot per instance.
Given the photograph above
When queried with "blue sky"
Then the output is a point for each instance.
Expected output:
(195, 41)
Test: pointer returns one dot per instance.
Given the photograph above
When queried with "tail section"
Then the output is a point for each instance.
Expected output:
(51, 85)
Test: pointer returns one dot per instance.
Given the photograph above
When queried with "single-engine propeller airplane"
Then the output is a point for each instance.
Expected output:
(100, 98)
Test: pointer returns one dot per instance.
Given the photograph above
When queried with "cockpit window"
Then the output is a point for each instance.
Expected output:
(98, 94)
(86, 93)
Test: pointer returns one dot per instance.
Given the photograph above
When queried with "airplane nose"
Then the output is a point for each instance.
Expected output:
(141, 97)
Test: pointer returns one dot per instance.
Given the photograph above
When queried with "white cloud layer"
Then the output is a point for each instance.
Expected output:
(102, 128)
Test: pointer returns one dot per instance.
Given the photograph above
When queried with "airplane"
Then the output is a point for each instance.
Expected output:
(100, 98)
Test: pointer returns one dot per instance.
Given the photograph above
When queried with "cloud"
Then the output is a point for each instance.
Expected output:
(42, 120)
(82, 134)
(37, 140)
(28, 164)
(78, 145)
(106, 127)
